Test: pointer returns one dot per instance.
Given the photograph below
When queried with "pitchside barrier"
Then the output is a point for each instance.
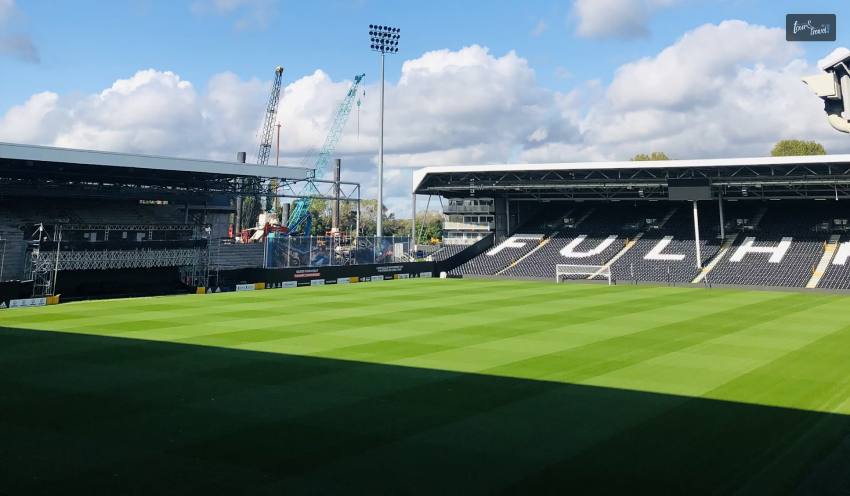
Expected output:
(18, 294)
(251, 279)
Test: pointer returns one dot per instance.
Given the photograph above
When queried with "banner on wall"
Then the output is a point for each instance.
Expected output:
(28, 302)
(245, 287)
(274, 278)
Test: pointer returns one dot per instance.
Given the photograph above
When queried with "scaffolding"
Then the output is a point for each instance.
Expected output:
(44, 265)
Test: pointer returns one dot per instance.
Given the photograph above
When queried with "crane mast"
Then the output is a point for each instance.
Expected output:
(271, 115)
(301, 207)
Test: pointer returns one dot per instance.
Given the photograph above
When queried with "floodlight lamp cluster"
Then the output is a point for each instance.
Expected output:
(384, 38)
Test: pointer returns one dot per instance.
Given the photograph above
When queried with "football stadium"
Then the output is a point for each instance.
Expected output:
(613, 328)
(171, 325)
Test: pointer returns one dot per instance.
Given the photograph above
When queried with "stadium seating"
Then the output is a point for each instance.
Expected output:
(19, 223)
(782, 250)
(447, 251)
(667, 252)
(528, 237)
(837, 274)
(775, 243)
(598, 233)
(239, 255)
(506, 251)
(12, 253)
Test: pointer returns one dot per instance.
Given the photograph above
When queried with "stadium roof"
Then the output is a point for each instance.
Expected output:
(112, 159)
(27, 170)
(772, 177)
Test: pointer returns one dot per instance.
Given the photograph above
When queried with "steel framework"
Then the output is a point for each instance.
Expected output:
(198, 230)
(301, 207)
(44, 266)
(823, 181)
(118, 259)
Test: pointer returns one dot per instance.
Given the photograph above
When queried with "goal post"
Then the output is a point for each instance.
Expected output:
(590, 271)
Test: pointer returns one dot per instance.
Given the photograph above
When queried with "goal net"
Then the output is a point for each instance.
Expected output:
(563, 272)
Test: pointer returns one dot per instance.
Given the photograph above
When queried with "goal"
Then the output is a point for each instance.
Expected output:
(564, 271)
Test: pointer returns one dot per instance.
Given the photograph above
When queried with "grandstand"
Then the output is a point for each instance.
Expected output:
(763, 222)
(86, 223)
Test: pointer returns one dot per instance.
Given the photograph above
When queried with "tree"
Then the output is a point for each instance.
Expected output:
(797, 148)
(251, 206)
(321, 213)
(642, 157)
(430, 224)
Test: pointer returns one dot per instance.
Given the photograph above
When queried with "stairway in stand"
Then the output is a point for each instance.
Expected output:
(722, 252)
(828, 253)
(629, 244)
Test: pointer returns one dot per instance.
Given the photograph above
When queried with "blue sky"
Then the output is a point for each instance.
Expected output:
(87, 45)
(474, 82)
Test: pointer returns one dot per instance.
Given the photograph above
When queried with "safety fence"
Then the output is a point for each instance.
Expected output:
(320, 251)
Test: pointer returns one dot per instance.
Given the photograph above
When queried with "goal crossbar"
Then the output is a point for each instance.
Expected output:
(591, 271)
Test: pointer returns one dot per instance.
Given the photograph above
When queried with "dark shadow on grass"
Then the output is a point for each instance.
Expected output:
(96, 415)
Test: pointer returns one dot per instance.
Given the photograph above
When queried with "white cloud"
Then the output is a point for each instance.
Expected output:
(540, 28)
(727, 90)
(698, 65)
(624, 19)
(539, 135)
(7, 7)
(14, 44)
(563, 73)
(252, 13)
(724, 90)
(151, 112)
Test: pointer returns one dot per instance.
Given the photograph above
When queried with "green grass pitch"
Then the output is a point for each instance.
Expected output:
(430, 387)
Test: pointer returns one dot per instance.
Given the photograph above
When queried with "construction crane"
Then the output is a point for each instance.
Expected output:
(269, 122)
(301, 207)
(251, 207)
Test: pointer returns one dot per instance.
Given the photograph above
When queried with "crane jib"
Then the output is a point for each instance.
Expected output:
(301, 207)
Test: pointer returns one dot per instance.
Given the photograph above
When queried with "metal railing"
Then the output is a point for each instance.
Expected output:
(462, 241)
(480, 226)
(472, 209)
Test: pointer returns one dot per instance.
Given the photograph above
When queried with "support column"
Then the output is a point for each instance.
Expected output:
(508, 216)
(380, 230)
(240, 157)
(413, 223)
(337, 175)
(722, 220)
(696, 235)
